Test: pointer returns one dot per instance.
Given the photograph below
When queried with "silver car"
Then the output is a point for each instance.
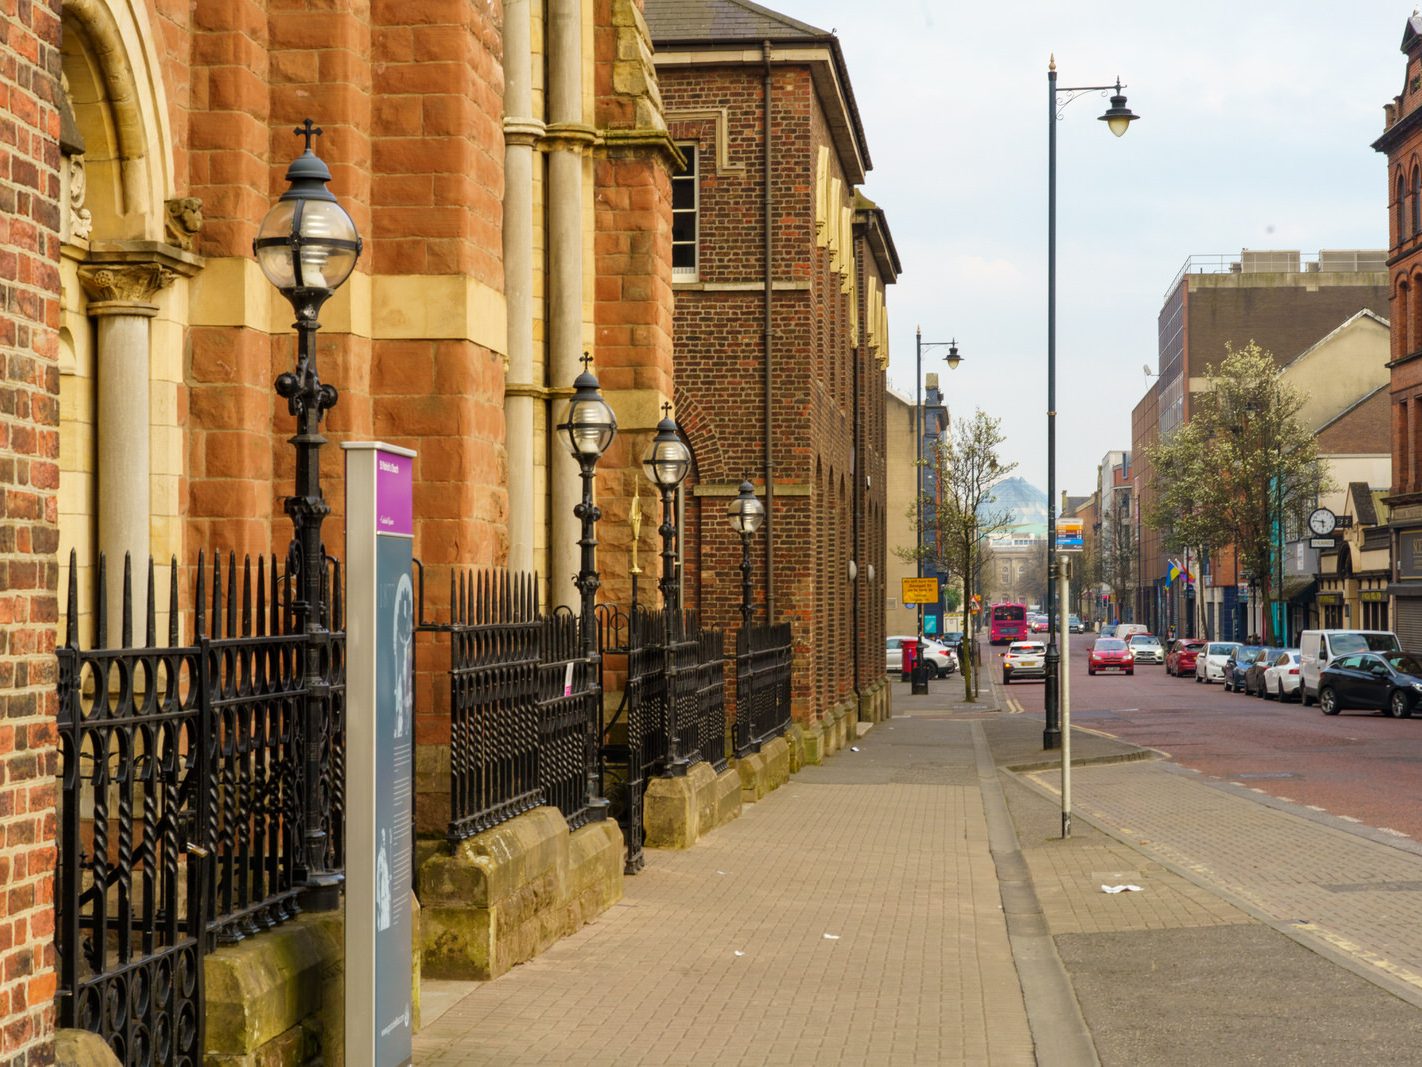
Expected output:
(1147, 648)
(1210, 663)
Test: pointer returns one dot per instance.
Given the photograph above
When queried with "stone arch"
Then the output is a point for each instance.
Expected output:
(120, 105)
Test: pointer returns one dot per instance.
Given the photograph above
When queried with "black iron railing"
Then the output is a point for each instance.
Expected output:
(181, 797)
(525, 704)
(763, 656)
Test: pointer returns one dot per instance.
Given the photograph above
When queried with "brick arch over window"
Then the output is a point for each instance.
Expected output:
(1398, 209)
(699, 430)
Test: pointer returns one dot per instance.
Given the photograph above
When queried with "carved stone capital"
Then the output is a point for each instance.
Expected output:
(123, 288)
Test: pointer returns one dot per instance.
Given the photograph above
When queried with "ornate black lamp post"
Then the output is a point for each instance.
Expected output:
(666, 462)
(588, 429)
(307, 247)
(746, 514)
(1118, 118)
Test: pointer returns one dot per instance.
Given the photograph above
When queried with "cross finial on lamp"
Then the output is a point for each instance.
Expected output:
(666, 409)
(587, 361)
(308, 129)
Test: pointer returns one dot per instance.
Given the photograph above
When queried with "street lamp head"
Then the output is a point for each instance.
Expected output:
(746, 512)
(667, 458)
(952, 358)
(307, 245)
(1118, 116)
(589, 425)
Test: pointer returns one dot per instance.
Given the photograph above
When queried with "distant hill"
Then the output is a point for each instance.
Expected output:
(1025, 501)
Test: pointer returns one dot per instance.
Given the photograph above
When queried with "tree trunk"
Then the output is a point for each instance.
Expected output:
(965, 648)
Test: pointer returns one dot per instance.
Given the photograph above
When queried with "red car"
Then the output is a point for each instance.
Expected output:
(1180, 660)
(1110, 654)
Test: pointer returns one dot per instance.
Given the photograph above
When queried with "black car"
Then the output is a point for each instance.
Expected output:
(1390, 681)
(1238, 662)
(1254, 676)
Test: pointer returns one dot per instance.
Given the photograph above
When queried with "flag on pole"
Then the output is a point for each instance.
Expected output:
(1172, 572)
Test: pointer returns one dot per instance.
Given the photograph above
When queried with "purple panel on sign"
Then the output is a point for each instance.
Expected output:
(394, 513)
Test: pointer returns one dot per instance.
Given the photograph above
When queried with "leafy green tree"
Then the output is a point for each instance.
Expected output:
(1241, 472)
(964, 515)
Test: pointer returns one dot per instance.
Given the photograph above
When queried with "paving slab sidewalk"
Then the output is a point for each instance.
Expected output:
(1199, 966)
(851, 917)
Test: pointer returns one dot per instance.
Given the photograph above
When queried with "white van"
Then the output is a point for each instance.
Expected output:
(1126, 630)
(1319, 648)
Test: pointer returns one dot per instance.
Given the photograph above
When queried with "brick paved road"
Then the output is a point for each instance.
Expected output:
(885, 848)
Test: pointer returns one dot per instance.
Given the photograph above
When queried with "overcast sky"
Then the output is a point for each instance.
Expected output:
(1256, 122)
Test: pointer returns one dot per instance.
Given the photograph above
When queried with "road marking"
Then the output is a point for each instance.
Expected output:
(1390, 830)
(1349, 818)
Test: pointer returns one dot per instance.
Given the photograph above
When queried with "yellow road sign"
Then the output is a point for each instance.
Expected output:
(920, 590)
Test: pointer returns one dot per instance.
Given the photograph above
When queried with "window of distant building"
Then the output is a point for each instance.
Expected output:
(1416, 201)
(1399, 209)
(685, 202)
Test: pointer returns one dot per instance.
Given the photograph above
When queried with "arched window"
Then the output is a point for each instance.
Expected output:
(1401, 198)
(1416, 200)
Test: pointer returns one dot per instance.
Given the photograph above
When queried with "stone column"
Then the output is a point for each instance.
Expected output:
(120, 298)
(521, 133)
(567, 138)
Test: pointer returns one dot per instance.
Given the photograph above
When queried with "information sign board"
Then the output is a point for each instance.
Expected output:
(1071, 535)
(920, 591)
(380, 619)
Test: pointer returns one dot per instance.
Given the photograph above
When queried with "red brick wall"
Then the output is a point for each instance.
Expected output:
(29, 536)
(1405, 294)
(719, 350)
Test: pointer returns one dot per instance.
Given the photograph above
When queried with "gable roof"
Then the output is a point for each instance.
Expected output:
(734, 25)
(1362, 497)
(1349, 323)
(723, 20)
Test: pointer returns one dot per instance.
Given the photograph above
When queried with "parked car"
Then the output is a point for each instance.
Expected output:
(1074, 624)
(1180, 660)
(1024, 659)
(942, 659)
(1147, 648)
(1210, 660)
(1319, 648)
(1254, 675)
(1391, 681)
(1236, 664)
(1281, 678)
(1110, 654)
(953, 639)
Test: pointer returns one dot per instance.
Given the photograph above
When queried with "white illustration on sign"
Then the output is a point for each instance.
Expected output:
(382, 885)
(404, 638)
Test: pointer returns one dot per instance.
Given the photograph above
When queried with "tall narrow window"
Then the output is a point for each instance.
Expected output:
(1398, 209)
(1402, 454)
(1416, 201)
(685, 201)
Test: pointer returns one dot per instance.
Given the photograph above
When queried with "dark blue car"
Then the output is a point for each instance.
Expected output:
(1237, 665)
(1386, 681)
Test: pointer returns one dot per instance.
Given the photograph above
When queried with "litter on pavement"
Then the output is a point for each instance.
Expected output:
(1121, 889)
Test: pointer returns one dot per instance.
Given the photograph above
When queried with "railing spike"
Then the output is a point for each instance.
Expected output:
(151, 629)
(71, 622)
(200, 613)
(126, 617)
(217, 595)
(101, 605)
(246, 596)
(231, 594)
(173, 600)
(338, 617)
(261, 615)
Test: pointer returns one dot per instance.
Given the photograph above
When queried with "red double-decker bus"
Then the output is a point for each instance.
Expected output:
(1008, 623)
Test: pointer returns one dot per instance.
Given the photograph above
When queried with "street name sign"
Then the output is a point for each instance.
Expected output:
(380, 751)
(920, 591)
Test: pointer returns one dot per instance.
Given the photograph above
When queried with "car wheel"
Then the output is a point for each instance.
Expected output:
(1328, 702)
(1091, 671)
(1399, 707)
(1131, 671)
(1198, 680)
(1304, 698)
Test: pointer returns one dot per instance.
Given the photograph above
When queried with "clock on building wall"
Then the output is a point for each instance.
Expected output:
(1322, 522)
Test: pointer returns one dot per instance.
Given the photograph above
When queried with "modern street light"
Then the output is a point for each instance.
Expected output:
(1118, 118)
(952, 359)
(746, 514)
(587, 429)
(666, 463)
(307, 247)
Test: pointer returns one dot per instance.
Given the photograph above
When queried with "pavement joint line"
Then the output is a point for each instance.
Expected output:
(1402, 983)
(1053, 1013)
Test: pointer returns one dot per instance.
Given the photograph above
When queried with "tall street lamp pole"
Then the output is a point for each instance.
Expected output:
(666, 463)
(952, 359)
(307, 247)
(588, 430)
(1117, 118)
(746, 514)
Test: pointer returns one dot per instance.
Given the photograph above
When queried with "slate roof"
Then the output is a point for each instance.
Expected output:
(722, 20)
(1363, 503)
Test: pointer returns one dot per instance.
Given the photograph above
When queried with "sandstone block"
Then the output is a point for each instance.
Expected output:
(751, 768)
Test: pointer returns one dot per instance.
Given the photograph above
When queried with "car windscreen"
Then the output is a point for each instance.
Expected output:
(1109, 644)
(1344, 644)
(1145, 639)
(1404, 663)
(1221, 650)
